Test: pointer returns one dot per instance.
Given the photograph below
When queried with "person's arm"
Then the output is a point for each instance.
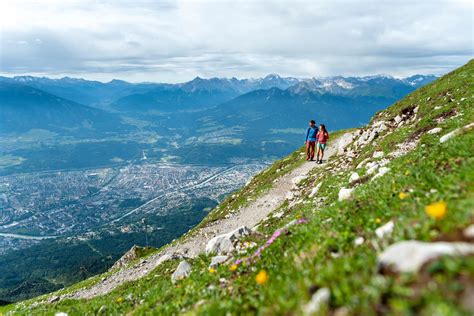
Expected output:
(307, 134)
(327, 135)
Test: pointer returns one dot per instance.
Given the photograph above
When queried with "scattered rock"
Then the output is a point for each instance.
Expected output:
(381, 172)
(385, 230)
(456, 132)
(378, 154)
(354, 177)
(468, 232)
(225, 243)
(344, 140)
(217, 260)
(182, 271)
(315, 190)
(411, 255)
(61, 314)
(434, 130)
(297, 180)
(359, 241)
(345, 194)
(53, 299)
(318, 303)
(373, 167)
(398, 119)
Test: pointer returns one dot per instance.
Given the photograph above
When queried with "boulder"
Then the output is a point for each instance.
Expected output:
(382, 171)
(225, 243)
(411, 255)
(378, 154)
(217, 260)
(359, 241)
(182, 271)
(398, 119)
(456, 132)
(385, 230)
(434, 130)
(344, 194)
(343, 142)
(372, 168)
(318, 303)
(354, 177)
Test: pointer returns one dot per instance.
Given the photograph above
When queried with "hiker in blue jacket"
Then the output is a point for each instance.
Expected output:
(311, 140)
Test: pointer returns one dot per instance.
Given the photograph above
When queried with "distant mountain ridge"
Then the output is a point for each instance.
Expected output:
(23, 108)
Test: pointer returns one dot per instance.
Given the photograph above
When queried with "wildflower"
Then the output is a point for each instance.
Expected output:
(262, 277)
(378, 220)
(120, 299)
(233, 267)
(436, 210)
(212, 270)
(402, 195)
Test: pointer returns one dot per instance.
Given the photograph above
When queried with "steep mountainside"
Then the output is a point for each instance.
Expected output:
(23, 108)
(385, 226)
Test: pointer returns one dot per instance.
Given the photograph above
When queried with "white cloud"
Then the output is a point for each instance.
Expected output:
(175, 41)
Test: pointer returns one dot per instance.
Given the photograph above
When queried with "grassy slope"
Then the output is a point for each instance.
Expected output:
(321, 253)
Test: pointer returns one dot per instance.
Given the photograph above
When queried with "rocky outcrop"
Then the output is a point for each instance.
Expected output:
(133, 254)
(182, 271)
(225, 243)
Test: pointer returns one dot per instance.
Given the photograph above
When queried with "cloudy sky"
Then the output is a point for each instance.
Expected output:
(172, 41)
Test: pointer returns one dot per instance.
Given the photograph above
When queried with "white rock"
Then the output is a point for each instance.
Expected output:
(398, 119)
(319, 301)
(378, 154)
(362, 163)
(344, 140)
(385, 230)
(416, 109)
(382, 171)
(434, 130)
(359, 241)
(354, 177)
(315, 190)
(411, 255)
(217, 260)
(297, 180)
(456, 132)
(182, 271)
(345, 194)
(468, 232)
(290, 195)
(61, 314)
(225, 243)
(373, 168)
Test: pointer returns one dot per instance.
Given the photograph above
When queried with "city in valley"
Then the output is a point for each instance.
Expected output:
(81, 203)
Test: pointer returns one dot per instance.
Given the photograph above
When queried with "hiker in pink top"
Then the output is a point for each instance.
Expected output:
(322, 136)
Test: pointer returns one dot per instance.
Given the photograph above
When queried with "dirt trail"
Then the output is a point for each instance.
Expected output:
(248, 216)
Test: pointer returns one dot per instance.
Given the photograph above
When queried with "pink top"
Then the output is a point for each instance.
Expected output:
(322, 137)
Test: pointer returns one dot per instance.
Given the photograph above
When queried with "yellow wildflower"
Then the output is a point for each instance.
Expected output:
(262, 277)
(402, 195)
(233, 267)
(378, 220)
(436, 210)
(119, 299)
(212, 270)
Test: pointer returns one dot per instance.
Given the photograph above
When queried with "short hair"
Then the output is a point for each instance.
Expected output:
(312, 122)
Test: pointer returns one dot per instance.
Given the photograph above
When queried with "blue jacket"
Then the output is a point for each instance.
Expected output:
(311, 134)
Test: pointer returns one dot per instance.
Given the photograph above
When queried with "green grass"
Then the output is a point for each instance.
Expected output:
(321, 253)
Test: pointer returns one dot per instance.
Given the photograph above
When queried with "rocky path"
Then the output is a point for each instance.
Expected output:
(192, 246)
